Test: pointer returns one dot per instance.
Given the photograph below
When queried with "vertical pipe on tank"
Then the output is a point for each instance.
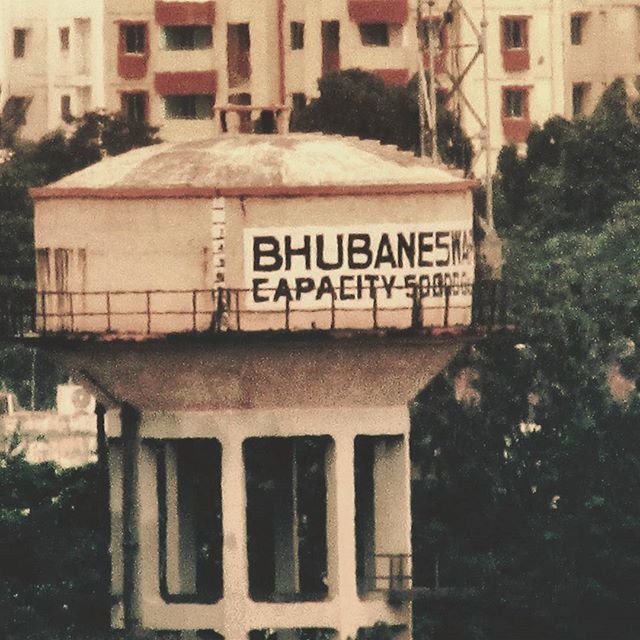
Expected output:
(281, 53)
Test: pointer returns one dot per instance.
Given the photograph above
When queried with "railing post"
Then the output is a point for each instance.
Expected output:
(43, 302)
(416, 308)
(374, 307)
(71, 314)
(333, 309)
(148, 295)
(447, 302)
(194, 310)
(108, 301)
(238, 314)
(287, 310)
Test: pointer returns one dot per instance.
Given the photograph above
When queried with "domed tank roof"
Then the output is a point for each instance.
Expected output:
(251, 164)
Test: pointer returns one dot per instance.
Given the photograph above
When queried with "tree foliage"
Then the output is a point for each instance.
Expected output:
(358, 103)
(574, 172)
(528, 446)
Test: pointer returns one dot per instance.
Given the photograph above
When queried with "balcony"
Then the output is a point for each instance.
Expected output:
(435, 310)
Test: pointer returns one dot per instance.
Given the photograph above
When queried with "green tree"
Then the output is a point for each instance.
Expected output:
(530, 480)
(358, 103)
(574, 172)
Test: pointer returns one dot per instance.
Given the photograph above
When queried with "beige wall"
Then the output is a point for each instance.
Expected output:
(161, 245)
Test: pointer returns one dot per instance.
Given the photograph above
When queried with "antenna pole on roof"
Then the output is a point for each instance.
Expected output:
(432, 83)
(422, 92)
(487, 120)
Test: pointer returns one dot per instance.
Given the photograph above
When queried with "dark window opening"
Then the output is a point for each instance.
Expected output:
(194, 107)
(64, 38)
(577, 25)
(134, 106)
(382, 543)
(375, 34)
(190, 520)
(286, 518)
(238, 54)
(514, 34)
(65, 108)
(578, 98)
(19, 43)
(187, 38)
(514, 100)
(297, 35)
(330, 46)
(365, 520)
(134, 37)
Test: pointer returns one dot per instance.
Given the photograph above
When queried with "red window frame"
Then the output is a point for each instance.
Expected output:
(515, 58)
(516, 128)
(132, 66)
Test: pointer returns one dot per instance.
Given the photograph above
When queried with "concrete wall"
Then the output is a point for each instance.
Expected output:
(139, 245)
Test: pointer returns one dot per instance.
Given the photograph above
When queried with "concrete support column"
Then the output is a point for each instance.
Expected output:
(234, 523)
(130, 519)
(341, 531)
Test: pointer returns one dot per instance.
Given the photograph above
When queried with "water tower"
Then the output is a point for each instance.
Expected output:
(256, 313)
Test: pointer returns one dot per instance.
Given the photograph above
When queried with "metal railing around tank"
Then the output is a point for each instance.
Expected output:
(481, 305)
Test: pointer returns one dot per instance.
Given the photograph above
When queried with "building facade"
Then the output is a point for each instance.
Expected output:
(171, 63)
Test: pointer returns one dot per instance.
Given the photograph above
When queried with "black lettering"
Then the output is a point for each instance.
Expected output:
(304, 285)
(325, 287)
(385, 252)
(388, 284)
(359, 244)
(322, 263)
(406, 249)
(282, 291)
(456, 249)
(425, 247)
(304, 251)
(256, 286)
(439, 245)
(425, 286)
(344, 288)
(271, 251)
(372, 285)
(410, 285)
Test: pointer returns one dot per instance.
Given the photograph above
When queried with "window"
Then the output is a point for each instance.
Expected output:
(514, 33)
(195, 107)
(187, 38)
(134, 38)
(375, 34)
(64, 38)
(578, 98)
(190, 520)
(238, 54)
(65, 108)
(134, 106)
(514, 103)
(297, 35)
(19, 43)
(577, 26)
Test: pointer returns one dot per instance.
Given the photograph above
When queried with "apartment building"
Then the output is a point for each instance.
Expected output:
(172, 63)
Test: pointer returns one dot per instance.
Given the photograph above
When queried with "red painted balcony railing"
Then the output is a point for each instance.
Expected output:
(482, 305)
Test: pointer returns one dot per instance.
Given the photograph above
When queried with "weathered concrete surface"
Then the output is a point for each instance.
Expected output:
(259, 371)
